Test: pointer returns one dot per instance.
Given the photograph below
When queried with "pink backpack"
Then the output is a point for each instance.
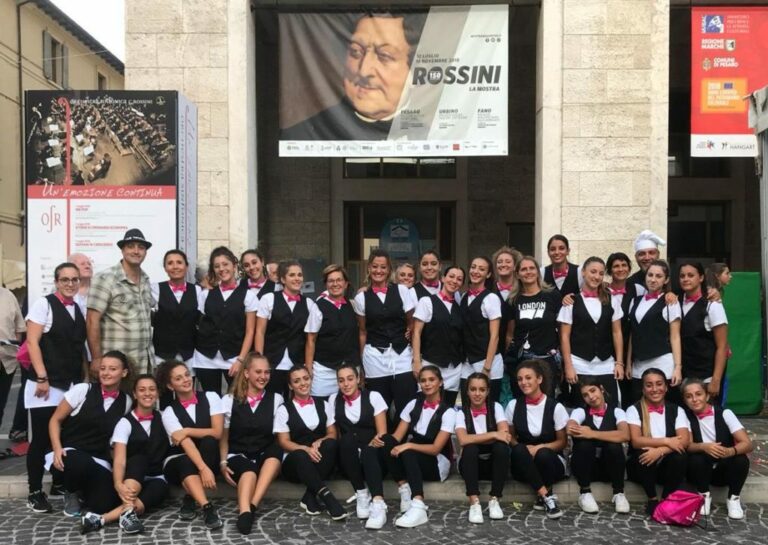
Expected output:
(680, 508)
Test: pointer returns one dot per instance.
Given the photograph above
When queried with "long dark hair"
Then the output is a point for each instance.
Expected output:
(489, 403)
(593, 380)
(602, 292)
(541, 371)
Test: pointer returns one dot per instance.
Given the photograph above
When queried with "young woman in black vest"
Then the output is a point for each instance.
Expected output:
(622, 292)
(590, 335)
(56, 341)
(405, 274)
(226, 329)
(561, 274)
(599, 432)
(659, 436)
(703, 332)
(429, 275)
(420, 448)
(332, 333)
(483, 433)
(505, 260)
(308, 438)
(718, 450)
(481, 314)
(194, 425)
(250, 456)
(254, 273)
(532, 332)
(654, 333)
(281, 324)
(140, 446)
(438, 331)
(80, 430)
(360, 417)
(537, 426)
(384, 314)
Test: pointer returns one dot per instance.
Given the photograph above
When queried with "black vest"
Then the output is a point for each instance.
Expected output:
(571, 282)
(722, 433)
(421, 290)
(670, 416)
(63, 347)
(490, 419)
(250, 432)
(285, 329)
(608, 423)
(698, 344)
(506, 317)
(650, 337)
(337, 341)
(175, 322)
(153, 445)
(385, 322)
(202, 418)
(626, 304)
(442, 337)
(590, 339)
(299, 431)
(268, 287)
(433, 428)
(476, 331)
(91, 428)
(222, 327)
(365, 428)
(520, 422)
(637, 279)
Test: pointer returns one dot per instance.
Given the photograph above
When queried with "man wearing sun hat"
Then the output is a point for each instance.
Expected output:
(119, 306)
(646, 251)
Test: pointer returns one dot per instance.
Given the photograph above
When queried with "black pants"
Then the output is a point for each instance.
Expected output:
(38, 447)
(210, 379)
(473, 468)
(82, 474)
(415, 467)
(669, 472)
(278, 382)
(544, 469)
(298, 467)
(252, 462)
(5, 388)
(153, 490)
(625, 387)
(571, 393)
(181, 467)
(704, 470)
(396, 389)
(495, 392)
(20, 416)
(450, 397)
(362, 464)
(673, 392)
(587, 466)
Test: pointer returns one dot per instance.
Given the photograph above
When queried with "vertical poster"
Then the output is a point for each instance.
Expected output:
(729, 47)
(99, 163)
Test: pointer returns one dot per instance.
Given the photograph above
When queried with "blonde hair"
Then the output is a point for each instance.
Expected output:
(239, 388)
(543, 286)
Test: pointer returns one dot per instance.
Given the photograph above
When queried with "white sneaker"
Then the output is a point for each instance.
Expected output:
(587, 503)
(706, 508)
(620, 503)
(476, 513)
(405, 497)
(363, 507)
(494, 509)
(735, 511)
(415, 516)
(378, 515)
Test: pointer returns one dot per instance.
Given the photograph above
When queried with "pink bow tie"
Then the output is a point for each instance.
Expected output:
(337, 303)
(178, 287)
(658, 409)
(106, 395)
(66, 301)
(708, 412)
(255, 285)
(187, 402)
(693, 298)
(227, 287)
(304, 402)
(597, 412)
(433, 284)
(380, 290)
(618, 291)
(475, 293)
(447, 298)
(431, 404)
(649, 296)
(587, 293)
(143, 417)
(560, 274)
(351, 399)
(478, 412)
(291, 298)
(529, 401)
(253, 400)
(503, 287)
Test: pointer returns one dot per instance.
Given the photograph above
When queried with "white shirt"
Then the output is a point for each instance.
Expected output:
(424, 309)
(665, 362)
(226, 407)
(670, 313)
(715, 314)
(560, 281)
(707, 426)
(40, 313)
(430, 289)
(123, 430)
(479, 420)
(407, 296)
(579, 415)
(267, 305)
(75, 396)
(154, 289)
(447, 422)
(172, 424)
(251, 302)
(308, 414)
(658, 421)
(490, 308)
(595, 308)
(352, 412)
(535, 415)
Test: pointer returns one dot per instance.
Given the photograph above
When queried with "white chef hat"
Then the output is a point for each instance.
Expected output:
(647, 239)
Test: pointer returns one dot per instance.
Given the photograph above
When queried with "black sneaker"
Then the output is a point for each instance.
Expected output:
(245, 522)
(188, 509)
(72, 504)
(90, 522)
(38, 502)
(551, 507)
(332, 505)
(650, 507)
(539, 504)
(211, 516)
(57, 490)
(309, 504)
(130, 523)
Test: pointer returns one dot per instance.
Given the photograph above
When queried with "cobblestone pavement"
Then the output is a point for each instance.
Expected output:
(280, 522)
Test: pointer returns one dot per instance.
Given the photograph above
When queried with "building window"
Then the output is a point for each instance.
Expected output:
(699, 231)
(55, 60)
(520, 237)
(400, 167)
(101, 81)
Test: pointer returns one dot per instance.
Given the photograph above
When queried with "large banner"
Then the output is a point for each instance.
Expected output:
(101, 162)
(388, 83)
(729, 52)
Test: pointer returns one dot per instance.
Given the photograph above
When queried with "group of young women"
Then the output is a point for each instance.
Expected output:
(367, 382)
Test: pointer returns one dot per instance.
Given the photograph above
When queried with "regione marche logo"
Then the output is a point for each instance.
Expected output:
(712, 24)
